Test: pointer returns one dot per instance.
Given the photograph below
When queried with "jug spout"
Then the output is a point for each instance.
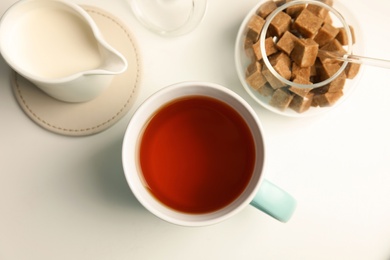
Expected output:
(113, 62)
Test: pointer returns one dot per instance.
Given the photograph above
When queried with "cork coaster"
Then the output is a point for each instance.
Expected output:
(79, 119)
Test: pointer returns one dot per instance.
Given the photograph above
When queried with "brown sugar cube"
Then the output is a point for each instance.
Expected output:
(280, 24)
(307, 23)
(317, 10)
(327, 99)
(315, 79)
(253, 67)
(337, 84)
(305, 52)
(300, 72)
(255, 25)
(248, 48)
(266, 90)
(320, 90)
(281, 98)
(302, 92)
(328, 2)
(266, 8)
(256, 52)
(313, 70)
(294, 10)
(286, 43)
(314, 102)
(325, 34)
(332, 46)
(272, 80)
(247, 43)
(280, 57)
(327, 70)
(280, 2)
(256, 80)
(282, 64)
(301, 104)
(254, 77)
(352, 70)
(270, 48)
(328, 19)
(283, 70)
(342, 36)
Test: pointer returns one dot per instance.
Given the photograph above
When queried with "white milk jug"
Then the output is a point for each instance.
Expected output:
(57, 46)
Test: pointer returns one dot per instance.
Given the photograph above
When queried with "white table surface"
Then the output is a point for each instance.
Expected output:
(67, 198)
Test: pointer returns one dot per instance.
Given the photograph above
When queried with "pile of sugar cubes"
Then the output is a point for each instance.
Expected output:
(294, 38)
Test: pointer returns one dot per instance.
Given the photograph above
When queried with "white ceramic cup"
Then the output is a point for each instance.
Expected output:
(259, 192)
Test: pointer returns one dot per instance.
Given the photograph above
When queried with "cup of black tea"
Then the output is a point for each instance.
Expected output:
(194, 155)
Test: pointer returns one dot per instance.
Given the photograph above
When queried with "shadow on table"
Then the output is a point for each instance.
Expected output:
(110, 178)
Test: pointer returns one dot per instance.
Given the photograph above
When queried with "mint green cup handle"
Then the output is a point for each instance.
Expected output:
(274, 201)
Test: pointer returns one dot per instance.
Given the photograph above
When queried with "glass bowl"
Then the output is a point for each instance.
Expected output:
(281, 55)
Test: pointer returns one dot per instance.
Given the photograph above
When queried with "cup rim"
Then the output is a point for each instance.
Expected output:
(129, 148)
(264, 30)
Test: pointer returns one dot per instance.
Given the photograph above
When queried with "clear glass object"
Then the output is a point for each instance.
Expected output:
(341, 18)
(169, 17)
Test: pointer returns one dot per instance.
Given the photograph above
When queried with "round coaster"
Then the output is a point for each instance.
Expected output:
(78, 119)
